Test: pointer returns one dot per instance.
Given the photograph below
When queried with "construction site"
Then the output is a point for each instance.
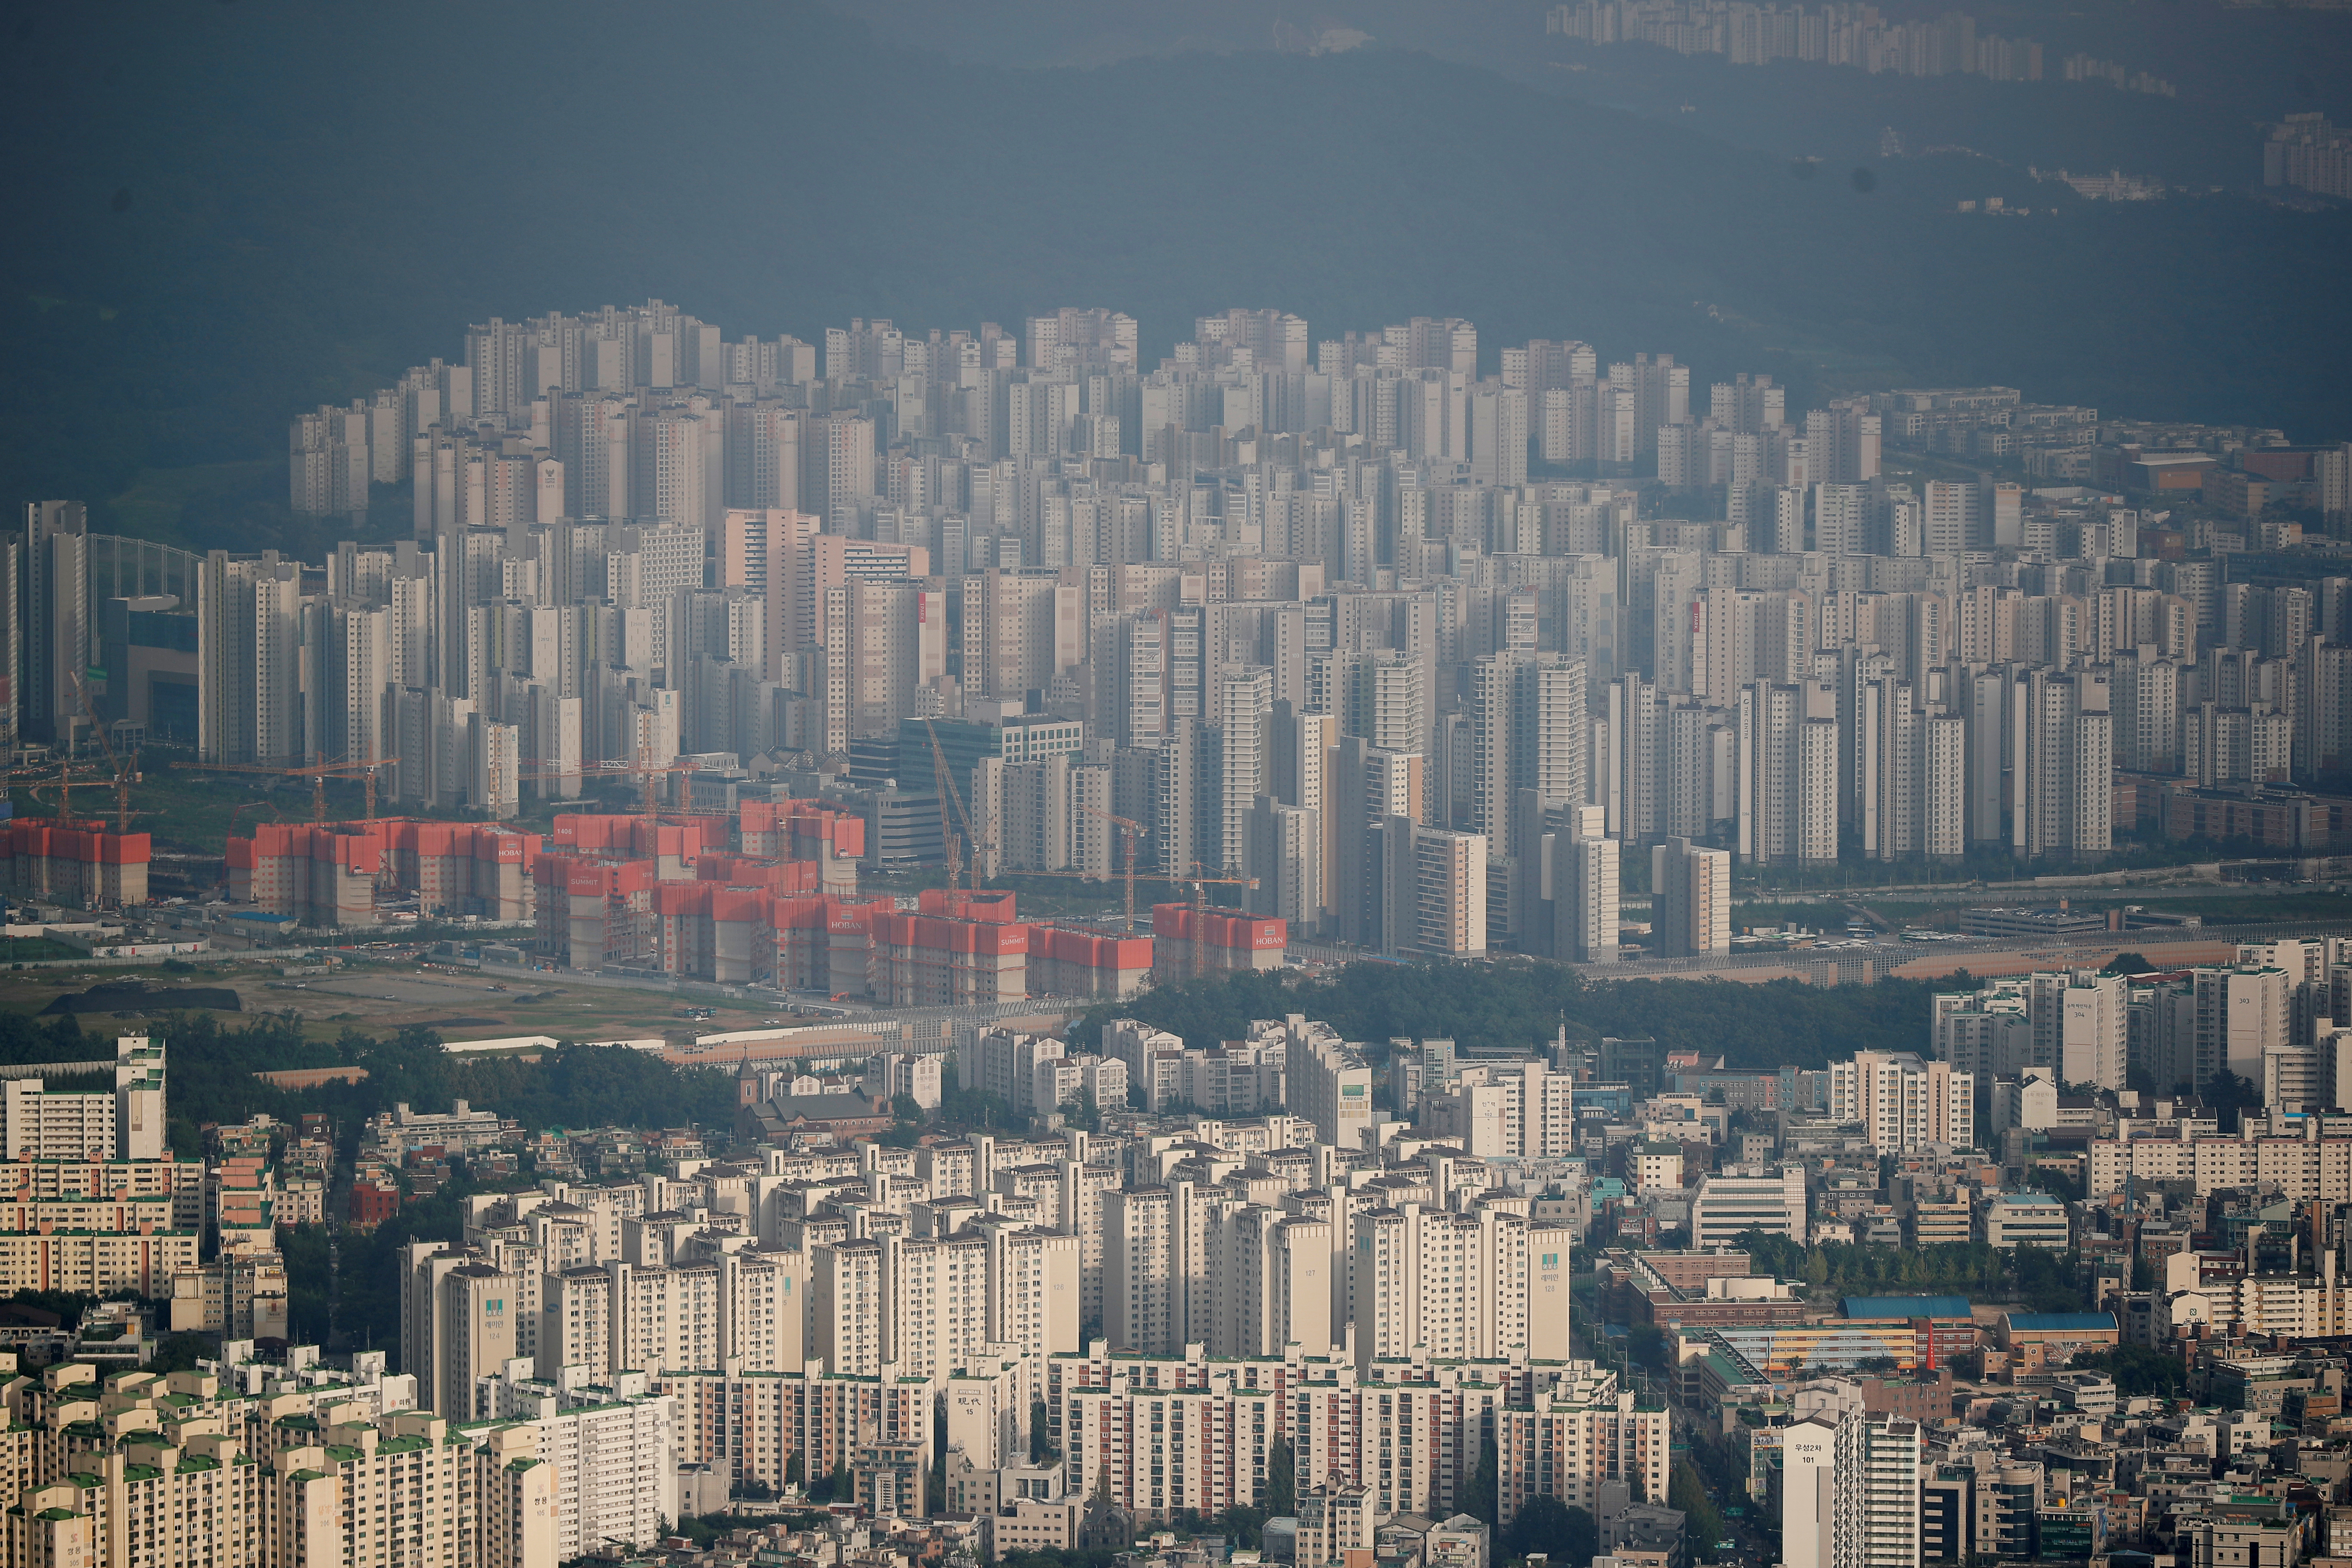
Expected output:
(74, 860)
(681, 899)
(766, 893)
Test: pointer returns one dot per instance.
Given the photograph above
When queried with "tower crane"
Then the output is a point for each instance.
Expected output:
(124, 776)
(644, 767)
(1129, 831)
(983, 851)
(317, 773)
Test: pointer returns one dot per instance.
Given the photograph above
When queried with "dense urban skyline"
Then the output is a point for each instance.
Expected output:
(1271, 588)
(1560, 783)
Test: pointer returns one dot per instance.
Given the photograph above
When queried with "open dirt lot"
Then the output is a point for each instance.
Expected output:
(378, 999)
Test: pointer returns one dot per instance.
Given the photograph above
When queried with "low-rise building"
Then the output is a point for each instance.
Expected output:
(2006, 1220)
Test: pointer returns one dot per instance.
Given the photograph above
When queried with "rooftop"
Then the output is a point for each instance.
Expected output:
(2060, 1322)
(1906, 1307)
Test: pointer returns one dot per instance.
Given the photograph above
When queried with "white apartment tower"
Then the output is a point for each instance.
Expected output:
(1850, 1493)
(2063, 751)
(1691, 894)
(1139, 1285)
(249, 614)
(1903, 1102)
(1585, 919)
(1434, 1282)
(2086, 1016)
(1244, 704)
(1878, 1460)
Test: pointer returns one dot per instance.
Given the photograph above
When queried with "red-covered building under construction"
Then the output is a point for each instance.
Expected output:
(60, 858)
(327, 874)
(1227, 941)
(616, 892)
(770, 922)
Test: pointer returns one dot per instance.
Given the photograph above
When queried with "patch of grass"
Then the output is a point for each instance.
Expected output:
(187, 812)
(2217, 908)
(1055, 898)
(35, 950)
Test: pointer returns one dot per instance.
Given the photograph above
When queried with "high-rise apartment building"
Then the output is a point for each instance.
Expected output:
(1851, 1494)
(2088, 1014)
(1575, 1438)
(1434, 893)
(459, 1318)
(55, 623)
(1434, 1282)
(1140, 1311)
(2240, 1014)
(1690, 891)
(1903, 1102)
(1585, 879)
(249, 609)
(2062, 743)
(1330, 1085)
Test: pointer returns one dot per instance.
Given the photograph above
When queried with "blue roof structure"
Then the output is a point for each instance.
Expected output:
(2060, 1322)
(1907, 1306)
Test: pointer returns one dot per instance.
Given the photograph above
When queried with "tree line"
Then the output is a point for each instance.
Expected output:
(1513, 1003)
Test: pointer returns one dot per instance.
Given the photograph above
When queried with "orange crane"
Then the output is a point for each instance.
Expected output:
(317, 773)
(1129, 831)
(649, 771)
(124, 777)
(33, 780)
(1198, 901)
(944, 781)
(982, 848)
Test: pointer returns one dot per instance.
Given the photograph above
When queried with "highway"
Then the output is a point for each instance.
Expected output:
(1886, 954)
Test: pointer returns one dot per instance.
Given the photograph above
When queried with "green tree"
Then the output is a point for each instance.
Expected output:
(1515, 1003)
(1485, 1483)
(906, 1129)
(2139, 1371)
(1777, 1255)
(1565, 1535)
(972, 1110)
(1246, 1526)
(1041, 1440)
(179, 1353)
(2229, 1094)
(1281, 1480)
(1702, 1524)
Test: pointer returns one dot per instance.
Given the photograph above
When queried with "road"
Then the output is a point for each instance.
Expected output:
(2203, 880)
(1886, 954)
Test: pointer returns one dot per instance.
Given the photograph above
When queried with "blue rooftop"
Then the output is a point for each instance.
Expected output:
(1907, 1306)
(2058, 1322)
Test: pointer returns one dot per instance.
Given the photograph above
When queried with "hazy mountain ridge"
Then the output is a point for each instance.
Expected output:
(254, 207)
